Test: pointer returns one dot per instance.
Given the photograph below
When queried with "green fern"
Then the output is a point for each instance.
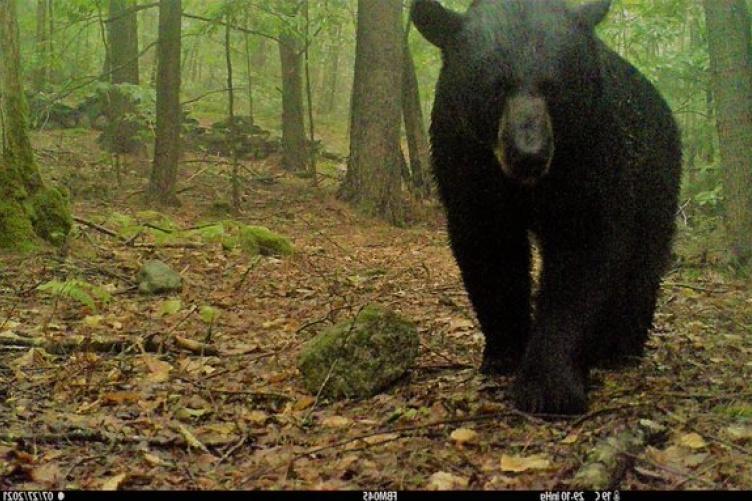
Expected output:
(78, 290)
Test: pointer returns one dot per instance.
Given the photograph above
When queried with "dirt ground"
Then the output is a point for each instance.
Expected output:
(148, 411)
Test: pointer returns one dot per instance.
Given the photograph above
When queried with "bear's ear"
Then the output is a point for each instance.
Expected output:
(593, 12)
(436, 23)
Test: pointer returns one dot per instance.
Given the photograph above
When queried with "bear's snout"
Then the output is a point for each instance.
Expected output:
(525, 146)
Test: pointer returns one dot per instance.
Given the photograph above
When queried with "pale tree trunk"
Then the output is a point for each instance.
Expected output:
(28, 208)
(41, 70)
(309, 96)
(231, 118)
(293, 123)
(728, 27)
(332, 75)
(249, 66)
(415, 129)
(373, 180)
(167, 141)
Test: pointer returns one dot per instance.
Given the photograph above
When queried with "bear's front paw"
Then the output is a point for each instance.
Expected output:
(550, 392)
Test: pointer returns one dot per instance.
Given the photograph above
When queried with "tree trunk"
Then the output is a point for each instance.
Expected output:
(28, 208)
(415, 129)
(373, 176)
(293, 123)
(249, 67)
(728, 27)
(41, 68)
(309, 96)
(167, 141)
(231, 119)
(123, 37)
(332, 76)
(122, 33)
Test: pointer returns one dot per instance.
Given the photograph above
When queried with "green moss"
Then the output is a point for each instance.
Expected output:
(50, 215)
(16, 230)
(157, 219)
(359, 358)
(260, 240)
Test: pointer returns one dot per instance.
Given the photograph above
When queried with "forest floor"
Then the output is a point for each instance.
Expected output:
(131, 417)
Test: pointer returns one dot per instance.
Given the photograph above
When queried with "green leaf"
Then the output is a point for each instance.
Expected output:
(208, 314)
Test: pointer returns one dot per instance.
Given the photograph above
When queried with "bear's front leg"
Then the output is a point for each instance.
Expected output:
(494, 259)
(575, 286)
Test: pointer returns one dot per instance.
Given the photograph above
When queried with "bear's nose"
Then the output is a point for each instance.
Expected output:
(525, 137)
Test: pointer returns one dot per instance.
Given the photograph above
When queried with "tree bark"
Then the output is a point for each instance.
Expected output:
(28, 208)
(332, 76)
(293, 122)
(728, 28)
(249, 67)
(373, 180)
(167, 141)
(231, 119)
(415, 129)
(122, 34)
(41, 68)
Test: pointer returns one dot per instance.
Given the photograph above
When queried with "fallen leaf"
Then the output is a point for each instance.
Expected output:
(692, 440)
(170, 307)
(190, 438)
(257, 417)
(92, 321)
(113, 483)
(464, 436)
(154, 460)
(570, 439)
(443, 481)
(120, 397)
(519, 464)
(304, 402)
(48, 474)
(159, 371)
(336, 421)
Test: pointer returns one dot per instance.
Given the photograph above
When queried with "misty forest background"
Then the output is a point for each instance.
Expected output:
(191, 191)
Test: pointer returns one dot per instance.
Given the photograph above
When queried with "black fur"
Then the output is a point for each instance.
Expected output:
(604, 214)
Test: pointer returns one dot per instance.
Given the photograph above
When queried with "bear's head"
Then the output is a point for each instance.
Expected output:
(521, 77)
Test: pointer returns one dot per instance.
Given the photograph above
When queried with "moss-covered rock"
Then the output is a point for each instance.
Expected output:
(365, 356)
(260, 240)
(156, 277)
(50, 214)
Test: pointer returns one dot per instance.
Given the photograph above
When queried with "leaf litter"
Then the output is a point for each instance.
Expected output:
(200, 389)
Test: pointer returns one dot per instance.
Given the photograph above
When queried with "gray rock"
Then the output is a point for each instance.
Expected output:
(156, 277)
(360, 358)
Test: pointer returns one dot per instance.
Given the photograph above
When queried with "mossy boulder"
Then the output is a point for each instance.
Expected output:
(259, 240)
(365, 356)
(50, 215)
(156, 277)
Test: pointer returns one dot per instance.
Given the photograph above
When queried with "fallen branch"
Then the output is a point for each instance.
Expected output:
(196, 347)
(102, 345)
(98, 227)
(610, 459)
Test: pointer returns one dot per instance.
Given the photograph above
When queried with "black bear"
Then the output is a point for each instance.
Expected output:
(539, 128)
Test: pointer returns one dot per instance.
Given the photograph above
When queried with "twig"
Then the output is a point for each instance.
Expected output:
(231, 450)
(696, 288)
(606, 410)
